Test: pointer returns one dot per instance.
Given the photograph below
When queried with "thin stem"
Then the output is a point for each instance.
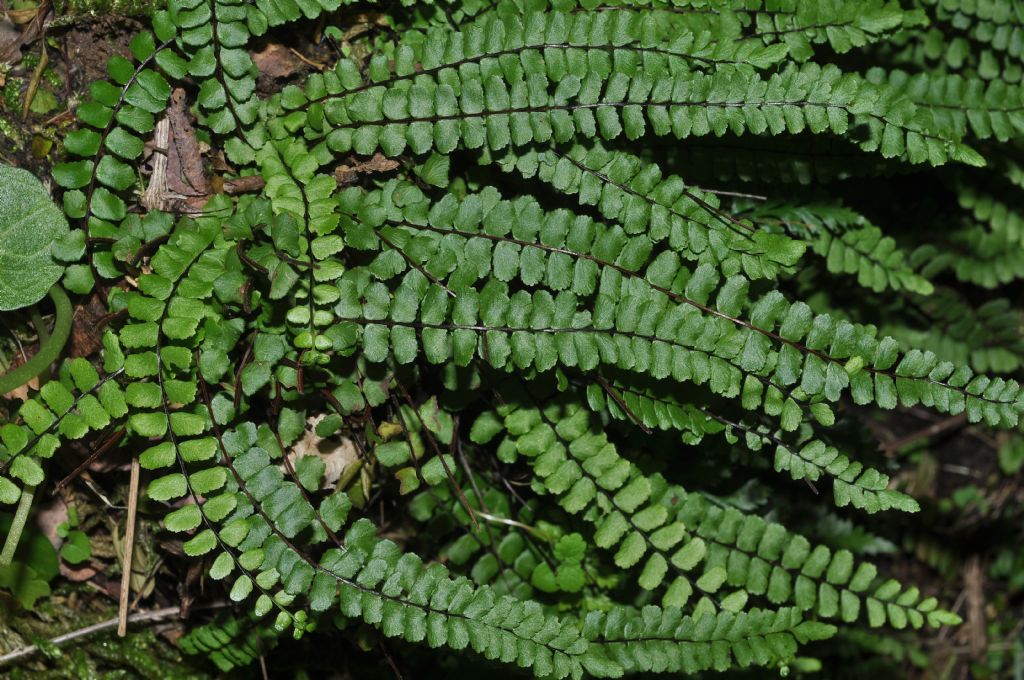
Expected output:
(37, 322)
(18, 525)
(43, 334)
(49, 348)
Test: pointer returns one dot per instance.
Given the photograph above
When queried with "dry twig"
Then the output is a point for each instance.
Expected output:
(129, 549)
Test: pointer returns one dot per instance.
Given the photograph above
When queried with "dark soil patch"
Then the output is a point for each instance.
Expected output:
(90, 43)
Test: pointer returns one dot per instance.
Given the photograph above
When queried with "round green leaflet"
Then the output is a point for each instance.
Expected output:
(29, 224)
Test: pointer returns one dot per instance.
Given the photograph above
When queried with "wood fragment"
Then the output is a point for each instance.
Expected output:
(974, 583)
(33, 83)
(178, 182)
(129, 550)
(344, 175)
(933, 430)
(243, 185)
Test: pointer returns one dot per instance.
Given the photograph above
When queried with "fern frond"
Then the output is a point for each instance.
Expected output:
(230, 641)
(975, 255)
(467, 104)
(673, 532)
(849, 243)
(489, 321)
(649, 326)
(965, 106)
(639, 197)
(998, 24)
(986, 337)
(78, 403)
(663, 641)
(807, 458)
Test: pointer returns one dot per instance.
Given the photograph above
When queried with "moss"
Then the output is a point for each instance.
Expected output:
(98, 7)
(9, 129)
(12, 93)
(143, 654)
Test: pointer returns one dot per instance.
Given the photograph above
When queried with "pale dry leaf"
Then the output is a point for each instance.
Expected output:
(142, 561)
(21, 392)
(49, 517)
(337, 453)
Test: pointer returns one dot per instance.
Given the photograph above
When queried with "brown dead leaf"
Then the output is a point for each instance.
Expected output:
(10, 45)
(243, 185)
(86, 327)
(185, 172)
(34, 20)
(77, 573)
(11, 40)
(346, 175)
(276, 61)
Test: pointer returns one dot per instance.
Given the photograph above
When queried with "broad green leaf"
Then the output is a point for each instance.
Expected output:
(29, 224)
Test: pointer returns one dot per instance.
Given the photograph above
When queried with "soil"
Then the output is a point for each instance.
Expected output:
(91, 42)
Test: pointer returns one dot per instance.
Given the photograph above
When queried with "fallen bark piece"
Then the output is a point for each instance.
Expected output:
(178, 181)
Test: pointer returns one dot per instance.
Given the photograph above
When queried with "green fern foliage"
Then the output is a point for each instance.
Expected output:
(80, 402)
(613, 235)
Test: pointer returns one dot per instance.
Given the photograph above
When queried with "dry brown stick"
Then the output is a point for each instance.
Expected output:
(140, 617)
(390, 660)
(974, 583)
(33, 83)
(344, 175)
(129, 550)
(623, 405)
(951, 423)
(243, 185)
(96, 453)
